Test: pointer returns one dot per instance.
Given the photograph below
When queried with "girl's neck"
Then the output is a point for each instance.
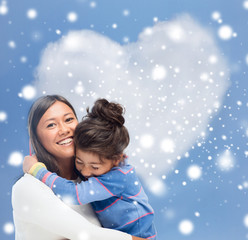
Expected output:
(66, 169)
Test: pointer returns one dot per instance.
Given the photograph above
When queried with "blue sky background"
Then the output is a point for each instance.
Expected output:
(211, 206)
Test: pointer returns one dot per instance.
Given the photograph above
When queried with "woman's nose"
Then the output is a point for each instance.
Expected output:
(63, 129)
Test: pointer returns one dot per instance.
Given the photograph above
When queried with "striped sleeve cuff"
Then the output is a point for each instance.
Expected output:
(36, 167)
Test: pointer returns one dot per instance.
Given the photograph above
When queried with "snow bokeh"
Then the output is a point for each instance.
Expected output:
(15, 159)
(8, 228)
(28, 92)
(194, 172)
(72, 17)
(246, 220)
(3, 116)
(171, 81)
(245, 4)
(186, 227)
(32, 13)
(3, 8)
(226, 161)
(225, 32)
(12, 44)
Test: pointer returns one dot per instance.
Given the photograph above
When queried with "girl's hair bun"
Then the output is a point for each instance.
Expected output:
(107, 111)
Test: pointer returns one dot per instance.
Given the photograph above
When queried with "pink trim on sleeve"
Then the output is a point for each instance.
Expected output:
(136, 194)
(138, 218)
(53, 182)
(78, 195)
(125, 172)
(105, 187)
(109, 205)
(45, 177)
(152, 236)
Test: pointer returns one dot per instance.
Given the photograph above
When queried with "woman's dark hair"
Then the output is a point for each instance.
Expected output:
(37, 110)
(102, 131)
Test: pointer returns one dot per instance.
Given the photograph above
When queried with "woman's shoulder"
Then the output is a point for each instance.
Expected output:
(25, 181)
(28, 185)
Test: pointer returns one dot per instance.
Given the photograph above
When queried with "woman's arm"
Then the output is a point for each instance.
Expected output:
(34, 202)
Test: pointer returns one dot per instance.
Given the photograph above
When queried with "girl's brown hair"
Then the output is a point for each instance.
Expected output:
(102, 130)
(37, 110)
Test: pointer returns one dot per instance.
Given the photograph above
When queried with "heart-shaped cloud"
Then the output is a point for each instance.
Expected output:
(171, 82)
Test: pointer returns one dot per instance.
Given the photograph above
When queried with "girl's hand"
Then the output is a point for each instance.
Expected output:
(137, 238)
(28, 162)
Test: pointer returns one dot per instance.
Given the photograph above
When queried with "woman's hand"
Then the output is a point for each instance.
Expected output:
(28, 162)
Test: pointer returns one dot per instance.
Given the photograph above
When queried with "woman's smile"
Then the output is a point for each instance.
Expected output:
(66, 141)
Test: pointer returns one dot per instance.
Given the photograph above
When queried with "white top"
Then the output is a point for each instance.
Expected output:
(38, 214)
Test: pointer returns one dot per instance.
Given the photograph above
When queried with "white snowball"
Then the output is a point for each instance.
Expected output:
(146, 141)
(246, 220)
(93, 4)
(176, 33)
(167, 145)
(186, 227)
(226, 161)
(3, 8)
(213, 59)
(32, 13)
(225, 32)
(156, 186)
(58, 31)
(12, 44)
(245, 4)
(194, 172)
(3, 116)
(216, 16)
(23, 59)
(72, 17)
(15, 159)
(159, 72)
(126, 12)
(79, 89)
(114, 25)
(8, 228)
(197, 214)
(28, 92)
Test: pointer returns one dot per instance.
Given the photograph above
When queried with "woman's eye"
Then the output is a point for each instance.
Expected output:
(69, 119)
(50, 125)
(95, 168)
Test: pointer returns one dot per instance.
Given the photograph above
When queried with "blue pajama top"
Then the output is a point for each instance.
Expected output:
(117, 198)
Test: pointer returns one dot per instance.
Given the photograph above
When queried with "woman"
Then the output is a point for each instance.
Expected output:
(38, 213)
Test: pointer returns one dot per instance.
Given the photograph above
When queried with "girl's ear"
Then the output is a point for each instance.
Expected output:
(118, 160)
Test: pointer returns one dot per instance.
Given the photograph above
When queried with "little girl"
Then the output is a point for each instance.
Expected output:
(110, 183)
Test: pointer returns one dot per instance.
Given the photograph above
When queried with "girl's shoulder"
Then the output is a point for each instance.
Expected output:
(124, 169)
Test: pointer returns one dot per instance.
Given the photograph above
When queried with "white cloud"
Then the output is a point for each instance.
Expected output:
(177, 107)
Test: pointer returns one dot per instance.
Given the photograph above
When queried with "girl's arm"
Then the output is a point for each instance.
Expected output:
(95, 189)
(33, 202)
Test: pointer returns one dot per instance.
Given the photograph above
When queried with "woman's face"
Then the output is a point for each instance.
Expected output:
(55, 130)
